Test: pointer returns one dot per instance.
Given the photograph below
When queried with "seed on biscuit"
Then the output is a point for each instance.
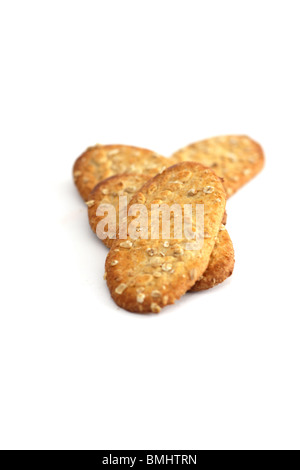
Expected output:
(140, 298)
(127, 244)
(232, 157)
(114, 262)
(222, 227)
(90, 203)
(192, 192)
(113, 152)
(151, 251)
(208, 190)
(156, 294)
(178, 250)
(120, 289)
(155, 308)
(167, 267)
(166, 244)
(104, 191)
(156, 261)
(77, 173)
(233, 178)
(157, 274)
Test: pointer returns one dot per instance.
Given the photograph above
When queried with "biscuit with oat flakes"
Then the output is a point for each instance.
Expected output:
(108, 191)
(146, 275)
(102, 161)
(235, 158)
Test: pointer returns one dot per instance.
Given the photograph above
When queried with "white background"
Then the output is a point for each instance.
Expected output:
(220, 370)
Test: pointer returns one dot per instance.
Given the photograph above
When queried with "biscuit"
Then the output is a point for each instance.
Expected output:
(222, 258)
(236, 159)
(108, 192)
(102, 161)
(221, 263)
(145, 275)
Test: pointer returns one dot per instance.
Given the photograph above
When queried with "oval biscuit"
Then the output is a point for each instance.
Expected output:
(235, 158)
(102, 161)
(146, 275)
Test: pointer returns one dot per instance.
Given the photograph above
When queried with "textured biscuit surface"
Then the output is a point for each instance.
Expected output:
(236, 159)
(146, 275)
(108, 191)
(221, 263)
(102, 161)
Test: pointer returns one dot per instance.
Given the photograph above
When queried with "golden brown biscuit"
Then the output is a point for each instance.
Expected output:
(146, 275)
(108, 192)
(102, 161)
(236, 158)
(221, 263)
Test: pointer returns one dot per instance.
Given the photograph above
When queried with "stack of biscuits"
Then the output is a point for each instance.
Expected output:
(146, 273)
